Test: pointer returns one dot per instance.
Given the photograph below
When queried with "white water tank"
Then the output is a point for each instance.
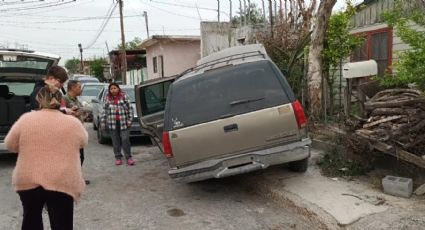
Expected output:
(360, 69)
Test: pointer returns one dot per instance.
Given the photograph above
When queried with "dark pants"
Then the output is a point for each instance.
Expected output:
(60, 207)
(82, 156)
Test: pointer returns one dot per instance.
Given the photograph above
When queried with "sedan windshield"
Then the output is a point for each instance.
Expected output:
(130, 94)
(91, 90)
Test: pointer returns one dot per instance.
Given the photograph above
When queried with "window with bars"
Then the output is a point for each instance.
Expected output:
(155, 64)
(377, 45)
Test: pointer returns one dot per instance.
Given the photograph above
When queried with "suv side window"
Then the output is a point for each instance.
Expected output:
(225, 92)
(153, 97)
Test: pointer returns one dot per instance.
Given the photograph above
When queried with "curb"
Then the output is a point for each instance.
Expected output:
(310, 212)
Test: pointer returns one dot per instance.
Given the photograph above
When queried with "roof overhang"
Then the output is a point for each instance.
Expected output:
(174, 38)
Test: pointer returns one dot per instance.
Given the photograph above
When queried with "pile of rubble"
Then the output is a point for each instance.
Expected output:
(396, 123)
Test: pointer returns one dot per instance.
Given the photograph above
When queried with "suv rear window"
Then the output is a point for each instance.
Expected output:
(226, 92)
(153, 97)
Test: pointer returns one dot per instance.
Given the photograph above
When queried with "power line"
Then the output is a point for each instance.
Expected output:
(56, 28)
(80, 2)
(79, 19)
(183, 5)
(169, 11)
(188, 6)
(102, 27)
(19, 2)
(39, 6)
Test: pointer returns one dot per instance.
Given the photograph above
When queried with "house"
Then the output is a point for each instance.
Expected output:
(136, 66)
(381, 42)
(169, 55)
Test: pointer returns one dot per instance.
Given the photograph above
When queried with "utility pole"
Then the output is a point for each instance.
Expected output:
(81, 58)
(230, 17)
(249, 12)
(218, 10)
(107, 47)
(240, 11)
(271, 16)
(245, 14)
(123, 53)
(145, 14)
(264, 12)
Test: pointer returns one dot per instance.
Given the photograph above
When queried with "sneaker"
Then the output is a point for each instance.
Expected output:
(118, 162)
(130, 162)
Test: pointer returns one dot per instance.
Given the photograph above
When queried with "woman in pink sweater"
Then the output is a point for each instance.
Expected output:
(48, 169)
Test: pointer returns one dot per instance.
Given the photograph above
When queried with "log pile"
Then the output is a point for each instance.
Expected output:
(396, 123)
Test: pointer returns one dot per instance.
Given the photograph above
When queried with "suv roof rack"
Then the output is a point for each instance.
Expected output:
(19, 50)
(221, 57)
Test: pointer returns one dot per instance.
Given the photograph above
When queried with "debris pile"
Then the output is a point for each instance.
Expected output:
(396, 123)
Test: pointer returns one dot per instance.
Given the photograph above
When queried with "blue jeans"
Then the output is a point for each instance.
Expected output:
(121, 139)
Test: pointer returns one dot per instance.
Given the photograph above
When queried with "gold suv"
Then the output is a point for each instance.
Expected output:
(233, 113)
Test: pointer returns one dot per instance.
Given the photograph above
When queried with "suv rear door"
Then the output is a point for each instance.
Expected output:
(25, 64)
(228, 111)
(19, 70)
(150, 103)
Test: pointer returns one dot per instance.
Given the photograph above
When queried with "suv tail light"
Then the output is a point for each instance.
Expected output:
(299, 114)
(167, 145)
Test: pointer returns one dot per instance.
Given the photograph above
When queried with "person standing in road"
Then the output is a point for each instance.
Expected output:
(117, 116)
(72, 102)
(55, 78)
(48, 170)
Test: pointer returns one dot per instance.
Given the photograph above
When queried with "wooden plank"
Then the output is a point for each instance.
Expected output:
(391, 118)
(369, 105)
(409, 157)
(398, 153)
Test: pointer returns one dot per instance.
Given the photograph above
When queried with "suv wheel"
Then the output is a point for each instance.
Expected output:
(299, 166)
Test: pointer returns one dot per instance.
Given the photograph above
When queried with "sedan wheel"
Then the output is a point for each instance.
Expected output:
(101, 139)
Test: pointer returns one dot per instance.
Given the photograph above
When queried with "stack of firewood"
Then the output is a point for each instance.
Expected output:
(396, 119)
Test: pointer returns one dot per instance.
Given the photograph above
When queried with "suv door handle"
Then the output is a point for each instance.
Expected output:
(230, 128)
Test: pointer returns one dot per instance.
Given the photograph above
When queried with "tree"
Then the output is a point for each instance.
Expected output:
(73, 65)
(338, 44)
(253, 15)
(287, 44)
(314, 74)
(96, 67)
(409, 68)
(131, 45)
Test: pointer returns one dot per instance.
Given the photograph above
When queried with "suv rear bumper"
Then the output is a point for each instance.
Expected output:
(243, 163)
(3, 148)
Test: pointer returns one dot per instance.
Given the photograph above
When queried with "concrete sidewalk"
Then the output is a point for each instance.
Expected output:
(336, 203)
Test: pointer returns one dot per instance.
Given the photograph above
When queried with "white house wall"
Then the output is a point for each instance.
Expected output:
(215, 37)
(178, 56)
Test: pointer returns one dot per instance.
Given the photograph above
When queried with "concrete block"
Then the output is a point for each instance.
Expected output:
(397, 186)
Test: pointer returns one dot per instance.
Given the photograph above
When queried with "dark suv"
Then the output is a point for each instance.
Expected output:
(233, 113)
(19, 70)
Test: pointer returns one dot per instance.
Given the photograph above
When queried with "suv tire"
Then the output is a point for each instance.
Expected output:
(299, 166)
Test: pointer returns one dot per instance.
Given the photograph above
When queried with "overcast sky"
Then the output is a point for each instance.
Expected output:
(57, 26)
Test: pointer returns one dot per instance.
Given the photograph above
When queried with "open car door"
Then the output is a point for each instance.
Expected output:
(150, 104)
